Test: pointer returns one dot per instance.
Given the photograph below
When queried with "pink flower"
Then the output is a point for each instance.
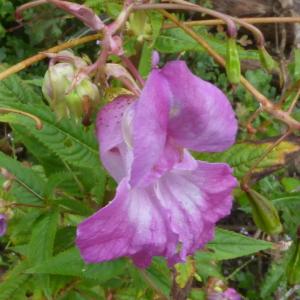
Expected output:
(228, 294)
(167, 203)
(3, 224)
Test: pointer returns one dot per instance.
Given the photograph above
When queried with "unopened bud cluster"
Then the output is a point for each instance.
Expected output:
(68, 95)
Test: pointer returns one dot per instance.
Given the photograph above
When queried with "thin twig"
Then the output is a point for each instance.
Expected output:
(294, 102)
(26, 6)
(38, 57)
(38, 122)
(249, 126)
(267, 20)
(290, 292)
(25, 205)
(133, 70)
(237, 270)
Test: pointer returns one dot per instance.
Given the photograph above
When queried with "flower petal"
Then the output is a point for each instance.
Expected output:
(194, 200)
(83, 13)
(130, 225)
(3, 224)
(150, 126)
(201, 117)
(113, 151)
(173, 217)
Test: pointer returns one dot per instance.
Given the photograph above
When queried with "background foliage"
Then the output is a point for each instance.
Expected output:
(56, 179)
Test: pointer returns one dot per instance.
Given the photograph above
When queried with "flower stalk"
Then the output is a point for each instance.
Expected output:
(38, 122)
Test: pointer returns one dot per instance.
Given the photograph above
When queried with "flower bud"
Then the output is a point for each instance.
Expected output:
(264, 213)
(233, 66)
(3, 224)
(7, 185)
(266, 60)
(57, 82)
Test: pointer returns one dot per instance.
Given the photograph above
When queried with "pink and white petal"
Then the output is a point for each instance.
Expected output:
(201, 117)
(131, 225)
(194, 200)
(150, 126)
(170, 157)
(113, 150)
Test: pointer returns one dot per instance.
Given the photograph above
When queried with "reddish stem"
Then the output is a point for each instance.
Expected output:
(133, 70)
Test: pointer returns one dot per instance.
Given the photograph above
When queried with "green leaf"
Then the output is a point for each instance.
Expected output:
(175, 40)
(293, 268)
(289, 200)
(156, 21)
(49, 160)
(242, 156)
(68, 140)
(60, 174)
(275, 275)
(15, 89)
(184, 272)
(22, 225)
(272, 279)
(26, 178)
(41, 247)
(41, 244)
(145, 64)
(69, 263)
(295, 65)
(63, 181)
(158, 275)
(13, 286)
(229, 245)
(76, 206)
(291, 184)
(14, 282)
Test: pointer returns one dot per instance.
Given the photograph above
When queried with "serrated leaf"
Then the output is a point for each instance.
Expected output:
(49, 160)
(158, 275)
(243, 155)
(13, 286)
(25, 177)
(15, 89)
(272, 280)
(229, 245)
(14, 282)
(55, 167)
(274, 276)
(70, 141)
(293, 268)
(156, 21)
(41, 243)
(145, 64)
(69, 263)
(22, 225)
(60, 179)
